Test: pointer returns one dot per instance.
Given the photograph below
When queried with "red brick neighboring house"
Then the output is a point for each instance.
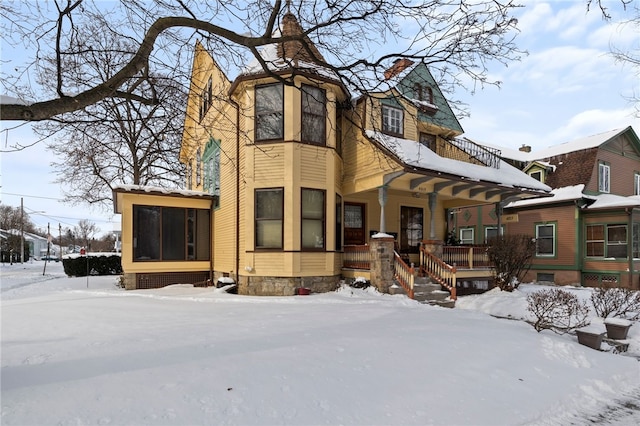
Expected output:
(588, 232)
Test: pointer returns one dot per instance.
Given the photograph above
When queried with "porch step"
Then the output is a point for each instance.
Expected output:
(424, 291)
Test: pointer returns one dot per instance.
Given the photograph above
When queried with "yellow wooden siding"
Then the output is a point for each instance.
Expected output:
(314, 166)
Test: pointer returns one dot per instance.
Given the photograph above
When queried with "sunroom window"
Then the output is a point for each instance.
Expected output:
(170, 233)
(269, 112)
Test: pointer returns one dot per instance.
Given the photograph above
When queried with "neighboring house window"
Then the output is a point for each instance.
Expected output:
(636, 184)
(466, 236)
(636, 241)
(603, 177)
(607, 241)
(617, 241)
(313, 218)
(411, 220)
(392, 120)
(198, 167)
(211, 161)
(537, 175)
(429, 141)
(314, 121)
(269, 112)
(269, 215)
(491, 233)
(545, 240)
(595, 240)
(170, 233)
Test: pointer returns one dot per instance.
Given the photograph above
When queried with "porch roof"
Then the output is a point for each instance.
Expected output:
(420, 159)
(158, 191)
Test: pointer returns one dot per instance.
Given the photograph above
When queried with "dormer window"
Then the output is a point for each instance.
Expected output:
(423, 93)
(537, 175)
(392, 120)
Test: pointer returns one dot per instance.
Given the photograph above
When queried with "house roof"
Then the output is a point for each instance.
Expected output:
(418, 155)
(575, 193)
(581, 144)
(290, 54)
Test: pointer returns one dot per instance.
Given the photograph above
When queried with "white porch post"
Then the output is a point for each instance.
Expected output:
(432, 219)
(382, 199)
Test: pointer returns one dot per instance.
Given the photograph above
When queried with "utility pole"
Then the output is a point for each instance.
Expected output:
(21, 230)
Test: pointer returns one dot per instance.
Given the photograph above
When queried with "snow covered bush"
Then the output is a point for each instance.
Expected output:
(616, 302)
(510, 256)
(557, 310)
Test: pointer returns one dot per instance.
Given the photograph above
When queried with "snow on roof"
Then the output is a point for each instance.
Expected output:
(563, 148)
(275, 63)
(575, 192)
(607, 201)
(576, 145)
(157, 189)
(567, 193)
(418, 155)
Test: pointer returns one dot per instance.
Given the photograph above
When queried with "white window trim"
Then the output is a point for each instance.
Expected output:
(604, 178)
(392, 120)
(554, 237)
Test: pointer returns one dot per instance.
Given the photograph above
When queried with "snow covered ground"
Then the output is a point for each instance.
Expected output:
(78, 351)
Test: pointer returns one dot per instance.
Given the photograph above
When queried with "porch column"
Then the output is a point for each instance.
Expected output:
(382, 261)
(432, 220)
(382, 199)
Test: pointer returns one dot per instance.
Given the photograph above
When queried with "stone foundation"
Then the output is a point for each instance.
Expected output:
(285, 286)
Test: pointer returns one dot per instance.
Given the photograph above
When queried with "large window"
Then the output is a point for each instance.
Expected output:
(269, 112)
(545, 240)
(170, 233)
(606, 241)
(314, 119)
(636, 184)
(211, 160)
(269, 213)
(411, 222)
(313, 218)
(392, 120)
(603, 177)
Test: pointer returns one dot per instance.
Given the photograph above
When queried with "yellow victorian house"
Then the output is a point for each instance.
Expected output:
(291, 183)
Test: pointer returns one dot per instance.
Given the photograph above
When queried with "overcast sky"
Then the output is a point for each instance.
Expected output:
(568, 87)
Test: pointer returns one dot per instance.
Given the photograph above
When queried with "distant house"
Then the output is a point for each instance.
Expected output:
(588, 231)
(287, 183)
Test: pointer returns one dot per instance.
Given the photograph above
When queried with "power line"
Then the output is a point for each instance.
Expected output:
(32, 196)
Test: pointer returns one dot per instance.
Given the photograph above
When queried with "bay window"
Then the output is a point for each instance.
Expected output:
(269, 111)
(313, 115)
(269, 215)
(313, 218)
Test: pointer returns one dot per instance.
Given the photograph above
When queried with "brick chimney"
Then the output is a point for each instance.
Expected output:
(295, 50)
(398, 66)
(525, 148)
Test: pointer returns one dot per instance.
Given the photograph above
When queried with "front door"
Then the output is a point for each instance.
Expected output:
(354, 224)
